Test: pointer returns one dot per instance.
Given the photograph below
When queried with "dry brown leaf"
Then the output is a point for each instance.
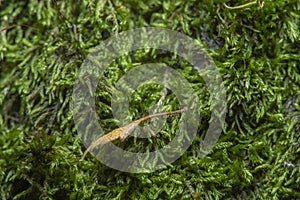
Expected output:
(123, 132)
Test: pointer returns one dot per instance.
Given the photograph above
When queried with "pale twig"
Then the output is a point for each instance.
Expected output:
(258, 2)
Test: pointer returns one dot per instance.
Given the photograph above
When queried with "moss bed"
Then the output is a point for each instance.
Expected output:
(256, 50)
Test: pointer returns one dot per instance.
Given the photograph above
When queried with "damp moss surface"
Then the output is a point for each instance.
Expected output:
(256, 50)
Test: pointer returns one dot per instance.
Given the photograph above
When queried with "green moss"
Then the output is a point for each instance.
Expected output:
(255, 49)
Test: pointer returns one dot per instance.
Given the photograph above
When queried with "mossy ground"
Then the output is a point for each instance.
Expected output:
(257, 51)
